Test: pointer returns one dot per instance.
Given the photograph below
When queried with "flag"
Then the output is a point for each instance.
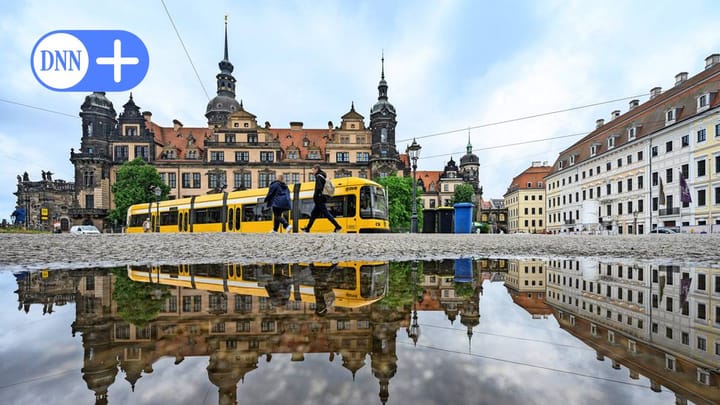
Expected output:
(684, 190)
(661, 198)
(662, 286)
(684, 289)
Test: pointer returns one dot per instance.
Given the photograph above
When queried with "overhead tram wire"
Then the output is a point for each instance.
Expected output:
(510, 144)
(38, 108)
(185, 49)
(527, 117)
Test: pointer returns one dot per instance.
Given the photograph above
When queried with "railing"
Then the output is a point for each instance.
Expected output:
(669, 211)
(80, 212)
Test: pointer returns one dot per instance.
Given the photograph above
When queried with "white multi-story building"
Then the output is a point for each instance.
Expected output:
(625, 176)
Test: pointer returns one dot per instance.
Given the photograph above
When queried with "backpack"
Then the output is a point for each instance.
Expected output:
(328, 188)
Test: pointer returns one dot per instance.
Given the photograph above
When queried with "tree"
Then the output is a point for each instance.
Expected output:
(137, 302)
(463, 194)
(399, 191)
(135, 183)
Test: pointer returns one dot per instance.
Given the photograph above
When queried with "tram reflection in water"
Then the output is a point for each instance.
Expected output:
(342, 284)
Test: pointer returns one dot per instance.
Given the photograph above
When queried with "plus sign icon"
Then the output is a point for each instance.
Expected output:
(89, 60)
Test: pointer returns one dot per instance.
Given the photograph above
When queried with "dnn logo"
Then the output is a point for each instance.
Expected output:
(89, 60)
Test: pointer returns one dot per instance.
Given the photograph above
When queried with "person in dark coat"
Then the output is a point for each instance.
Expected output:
(278, 198)
(320, 200)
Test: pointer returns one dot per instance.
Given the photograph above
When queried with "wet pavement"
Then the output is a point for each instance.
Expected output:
(347, 319)
(75, 251)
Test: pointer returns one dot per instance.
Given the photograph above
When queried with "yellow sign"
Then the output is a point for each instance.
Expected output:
(44, 274)
(43, 213)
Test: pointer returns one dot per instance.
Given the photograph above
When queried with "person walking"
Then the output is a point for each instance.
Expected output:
(278, 198)
(320, 201)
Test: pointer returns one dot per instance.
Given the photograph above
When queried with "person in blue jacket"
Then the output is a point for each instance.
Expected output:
(278, 198)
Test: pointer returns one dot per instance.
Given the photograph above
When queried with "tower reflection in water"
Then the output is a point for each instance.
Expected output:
(657, 321)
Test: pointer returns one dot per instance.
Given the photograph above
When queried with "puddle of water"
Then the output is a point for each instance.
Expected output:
(461, 331)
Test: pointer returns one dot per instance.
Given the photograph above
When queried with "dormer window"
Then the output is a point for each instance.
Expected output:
(703, 102)
(670, 116)
(561, 164)
(632, 133)
(572, 159)
(611, 142)
(306, 142)
(594, 150)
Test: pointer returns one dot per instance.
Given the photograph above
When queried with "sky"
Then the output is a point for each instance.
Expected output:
(490, 71)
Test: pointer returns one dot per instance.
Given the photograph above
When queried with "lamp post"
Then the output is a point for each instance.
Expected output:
(635, 215)
(413, 152)
(414, 329)
(157, 191)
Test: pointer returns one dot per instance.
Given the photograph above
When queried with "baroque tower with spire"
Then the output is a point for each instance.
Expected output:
(224, 103)
(383, 120)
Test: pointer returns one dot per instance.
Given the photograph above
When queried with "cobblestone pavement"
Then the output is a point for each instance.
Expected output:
(82, 251)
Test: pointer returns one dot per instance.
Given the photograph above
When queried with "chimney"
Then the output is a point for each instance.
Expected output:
(634, 103)
(599, 123)
(536, 163)
(177, 125)
(147, 115)
(712, 60)
(654, 92)
(615, 114)
(296, 125)
(680, 78)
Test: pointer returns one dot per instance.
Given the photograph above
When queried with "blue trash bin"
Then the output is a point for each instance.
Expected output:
(463, 217)
(463, 271)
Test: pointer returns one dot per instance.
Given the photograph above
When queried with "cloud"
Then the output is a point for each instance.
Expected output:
(449, 65)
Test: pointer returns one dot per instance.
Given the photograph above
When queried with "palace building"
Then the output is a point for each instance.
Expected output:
(234, 152)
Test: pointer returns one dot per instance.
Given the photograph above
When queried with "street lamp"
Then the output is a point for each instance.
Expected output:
(157, 191)
(414, 151)
(414, 330)
(635, 215)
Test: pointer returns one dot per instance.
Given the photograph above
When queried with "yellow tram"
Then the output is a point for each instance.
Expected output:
(352, 284)
(359, 206)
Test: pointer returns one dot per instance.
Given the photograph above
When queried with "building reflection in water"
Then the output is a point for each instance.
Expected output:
(658, 321)
(235, 314)
(661, 322)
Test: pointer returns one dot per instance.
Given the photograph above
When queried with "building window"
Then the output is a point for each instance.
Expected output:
(703, 102)
(252, 138)
(701, 167)
(668, 146)
(685, 141)
(242, 181)
(230, 138)
(670, 117)
(611, 142)
(701, 343)
(314, 155)
(265, 178)
(701, 311)
(172, 180)
(701, 135)
(362, 157)
(121, 153)
(267, 157)
(293, 154)
(632, 132)
(342, 157)
(217, 156)
(593, 152)
(701, 198)
(242, 157)
(142, 152)
(654, 151)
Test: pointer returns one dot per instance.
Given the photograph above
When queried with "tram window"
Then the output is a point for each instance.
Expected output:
(335, 206)
(372, 203)
(137, 220)
(168, 218)
(208, 215)
(230, 218)
(256, 212)
(237, 218)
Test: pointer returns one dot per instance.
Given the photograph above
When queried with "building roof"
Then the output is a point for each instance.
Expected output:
(530, 178)
(429, 177)
(648, 117)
